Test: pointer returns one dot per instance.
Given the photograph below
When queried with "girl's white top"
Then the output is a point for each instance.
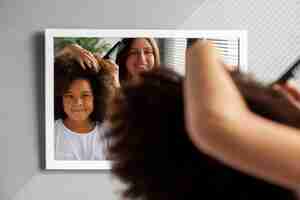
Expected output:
(70, 145)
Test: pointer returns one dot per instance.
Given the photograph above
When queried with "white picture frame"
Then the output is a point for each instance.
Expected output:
(50, 34)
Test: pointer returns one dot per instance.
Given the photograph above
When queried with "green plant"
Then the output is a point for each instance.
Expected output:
(95, 45)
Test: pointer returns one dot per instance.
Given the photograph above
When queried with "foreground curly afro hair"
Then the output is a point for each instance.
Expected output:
(152, 154)
(103, 85)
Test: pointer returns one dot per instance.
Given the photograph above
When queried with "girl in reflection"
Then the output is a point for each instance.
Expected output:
(81, 98)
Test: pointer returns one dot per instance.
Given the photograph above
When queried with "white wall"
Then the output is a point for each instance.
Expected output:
(273, 30)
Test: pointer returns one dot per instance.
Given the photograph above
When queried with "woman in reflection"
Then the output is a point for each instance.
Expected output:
(135, 55)
(81, 98)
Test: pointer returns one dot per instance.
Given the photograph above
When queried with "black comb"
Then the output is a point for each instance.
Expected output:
(290, 73)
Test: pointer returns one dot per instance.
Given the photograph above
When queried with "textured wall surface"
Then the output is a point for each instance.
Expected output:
(273, 43)
(273, 30)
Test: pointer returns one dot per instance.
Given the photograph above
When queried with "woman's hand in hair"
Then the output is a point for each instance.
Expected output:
(109, 65)
(290, 90)
(84, 57)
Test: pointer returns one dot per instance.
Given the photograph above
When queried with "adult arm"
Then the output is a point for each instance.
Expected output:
(220, 124)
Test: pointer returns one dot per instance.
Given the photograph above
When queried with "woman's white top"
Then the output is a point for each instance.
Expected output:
(70, 145)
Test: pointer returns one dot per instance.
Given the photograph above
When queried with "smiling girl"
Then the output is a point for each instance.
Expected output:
(81, 97)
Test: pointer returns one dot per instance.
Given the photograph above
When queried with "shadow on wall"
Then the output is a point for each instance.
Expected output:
(38, 60)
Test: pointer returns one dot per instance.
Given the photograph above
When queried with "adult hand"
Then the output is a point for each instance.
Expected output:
(290, 90)
(110, 65)
(84, 57)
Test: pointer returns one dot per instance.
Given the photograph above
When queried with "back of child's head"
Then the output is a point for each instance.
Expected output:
(102, 84)
(152, 154)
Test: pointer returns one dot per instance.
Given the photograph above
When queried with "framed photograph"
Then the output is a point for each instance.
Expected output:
(73, 134)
